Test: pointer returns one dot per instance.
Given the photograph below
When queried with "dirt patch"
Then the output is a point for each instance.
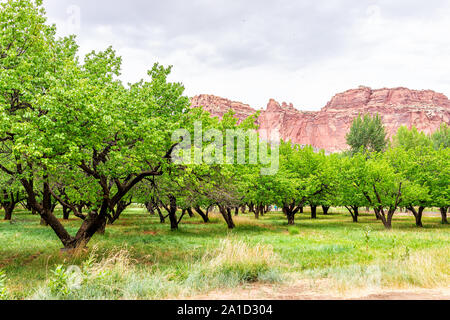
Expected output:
(151, 233)
(193, 222)
(302, 290)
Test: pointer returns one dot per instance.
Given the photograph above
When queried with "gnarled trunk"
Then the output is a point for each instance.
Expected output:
(10, 200)
(387, 219)
(325, 209)
(226, 213)
(291, 218)
(354, 211)
(202, 214)
(417, 215)
(9, 208)
(377, 213)
(120, 208)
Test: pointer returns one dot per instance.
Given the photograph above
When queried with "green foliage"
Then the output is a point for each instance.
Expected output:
(441, 138)
(368, 134)
(410, 139)
(59, 282)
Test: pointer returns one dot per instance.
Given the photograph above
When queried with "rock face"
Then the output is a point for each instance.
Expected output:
(327, 129)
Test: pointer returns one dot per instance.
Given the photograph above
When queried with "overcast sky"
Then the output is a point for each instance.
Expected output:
(251, 50)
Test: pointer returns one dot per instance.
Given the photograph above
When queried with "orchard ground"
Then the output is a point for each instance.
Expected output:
(139, 258)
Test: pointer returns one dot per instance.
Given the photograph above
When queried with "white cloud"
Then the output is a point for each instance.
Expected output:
(300, 52)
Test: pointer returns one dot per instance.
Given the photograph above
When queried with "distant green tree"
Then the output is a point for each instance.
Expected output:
(410, 139)
(441, 138)
(367, 133)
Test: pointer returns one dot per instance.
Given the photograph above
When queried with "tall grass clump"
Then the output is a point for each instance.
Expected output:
(234, 263)
(3, 291)
(118, 276)
(91, 280)
(420, 269)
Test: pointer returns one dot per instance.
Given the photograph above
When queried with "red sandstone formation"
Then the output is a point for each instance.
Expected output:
(326, 129)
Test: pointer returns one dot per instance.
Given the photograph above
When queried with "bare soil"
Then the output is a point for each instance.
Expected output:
(302, 290)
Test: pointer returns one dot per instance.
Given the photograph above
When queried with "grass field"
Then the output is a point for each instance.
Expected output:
(138, 258)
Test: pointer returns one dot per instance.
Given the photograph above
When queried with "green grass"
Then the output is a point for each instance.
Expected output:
(145, 260)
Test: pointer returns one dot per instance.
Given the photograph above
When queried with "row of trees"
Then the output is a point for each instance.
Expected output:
(72, 134)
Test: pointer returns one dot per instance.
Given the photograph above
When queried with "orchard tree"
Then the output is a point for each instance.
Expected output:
(11, 194)
(408, 160)
(367, 133)
(323, 177)
(58, 115)
(302, 176)
(437, 175)
(390, 189)
(350, 188)
(410, 139)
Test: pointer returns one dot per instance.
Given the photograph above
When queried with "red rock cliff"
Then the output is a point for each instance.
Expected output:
(326, 129)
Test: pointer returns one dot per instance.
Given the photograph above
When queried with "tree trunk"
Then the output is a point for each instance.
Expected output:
(417, 215)
(325, 209)
(387, 220)
(66, 213)
(202, 214)
(8, 213)
(120, 208)
(226, 213)
(93, 224)
(173, 220)
(162, 219)
(236, 211)
(444, 215)
(355, 214)
(9, 203)
(291, 218)
(150, 208)
(262, 210)
(354, 211)
(102, 228)
(313, 212)
(9, 208)
(377, 213)
(301, 210)
(190, 213)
